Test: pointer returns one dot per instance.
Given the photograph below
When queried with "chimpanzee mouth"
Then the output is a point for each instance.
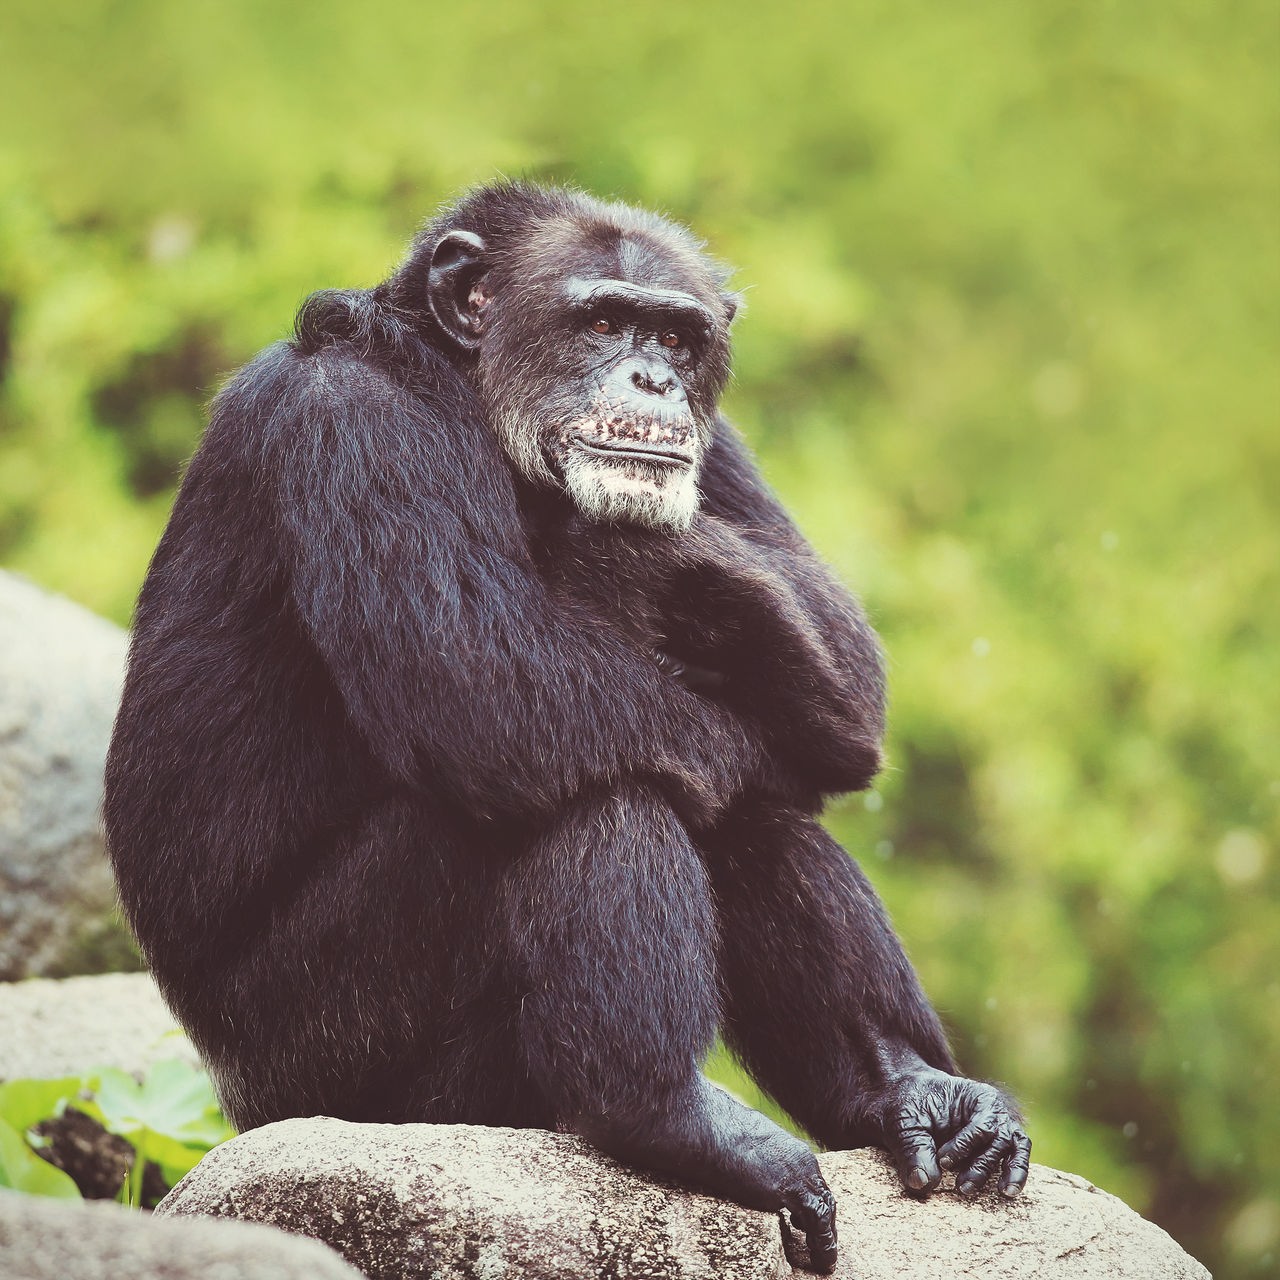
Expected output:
(664, 443)
(662, 455)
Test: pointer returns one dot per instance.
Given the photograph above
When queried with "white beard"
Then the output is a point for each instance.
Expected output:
(629, 492)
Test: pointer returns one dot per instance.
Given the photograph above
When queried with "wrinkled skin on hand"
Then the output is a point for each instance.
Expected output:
(931, 1122)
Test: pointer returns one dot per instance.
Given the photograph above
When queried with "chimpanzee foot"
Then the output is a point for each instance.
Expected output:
(710, 1141)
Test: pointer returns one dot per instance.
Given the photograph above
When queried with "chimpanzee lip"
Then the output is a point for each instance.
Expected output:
(665, 456)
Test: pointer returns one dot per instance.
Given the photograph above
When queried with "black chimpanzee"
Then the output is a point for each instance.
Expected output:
(480, 704)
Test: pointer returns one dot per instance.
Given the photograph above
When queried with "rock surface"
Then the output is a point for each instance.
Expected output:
(1062, 1227)
(54, 1028)
(66, 1240)
(453, 1201)
(60, 673)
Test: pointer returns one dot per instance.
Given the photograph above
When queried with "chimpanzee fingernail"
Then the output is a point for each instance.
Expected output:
(1012, 1192)
(917, 1179)
(947, 1162)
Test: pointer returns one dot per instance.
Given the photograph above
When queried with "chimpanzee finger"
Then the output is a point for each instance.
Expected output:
(814, 1213)
(985, 1163)
(962, 1148)
(1013, 1176)
(911, 1145)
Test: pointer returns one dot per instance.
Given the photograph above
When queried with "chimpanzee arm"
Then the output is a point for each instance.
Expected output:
(735, 492)
(795, 644)
(410, 573)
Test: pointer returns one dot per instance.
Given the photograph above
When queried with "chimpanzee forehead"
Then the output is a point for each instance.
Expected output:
(599, 251)
(650, 263)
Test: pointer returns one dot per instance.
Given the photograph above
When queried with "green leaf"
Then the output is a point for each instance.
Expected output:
(175, 1101)
(22, 1170)
(24, 1103)
(116, 1102)
(175, 1159)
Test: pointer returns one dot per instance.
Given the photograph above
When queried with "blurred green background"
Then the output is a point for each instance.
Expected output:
(1010, 354)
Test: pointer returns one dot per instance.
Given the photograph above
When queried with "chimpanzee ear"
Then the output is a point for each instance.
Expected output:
(457, 263)
(732, 303)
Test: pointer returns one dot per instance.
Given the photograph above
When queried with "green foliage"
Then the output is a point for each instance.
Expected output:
(1010, 354)
(24, 1103)
(22, 1170)
(101, 945)
(171, 1119)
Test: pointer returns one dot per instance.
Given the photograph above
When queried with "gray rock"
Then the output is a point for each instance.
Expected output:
(496, 1204)
(60, 674)
(68, 1240)
(1062, 1227)
(51, 1028)
(449, 1201)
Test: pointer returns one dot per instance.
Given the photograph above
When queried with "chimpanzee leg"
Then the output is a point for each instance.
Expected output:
(611, 931)
(814, 976)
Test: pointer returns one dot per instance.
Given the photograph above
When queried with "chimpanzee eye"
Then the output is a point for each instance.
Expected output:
(602, 324)
(671, 339)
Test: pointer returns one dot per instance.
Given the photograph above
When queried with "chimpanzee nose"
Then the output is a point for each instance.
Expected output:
(654, 379)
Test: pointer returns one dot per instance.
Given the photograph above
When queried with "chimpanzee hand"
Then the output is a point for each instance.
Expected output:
(930, 1121)
(758, 1164)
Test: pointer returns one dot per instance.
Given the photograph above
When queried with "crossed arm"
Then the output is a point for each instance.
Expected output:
(410, 575)
(753, 601)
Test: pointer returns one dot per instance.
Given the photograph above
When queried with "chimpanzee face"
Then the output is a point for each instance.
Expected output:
(602, 349)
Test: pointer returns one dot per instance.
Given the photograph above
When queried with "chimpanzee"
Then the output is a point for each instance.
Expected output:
(481, 701)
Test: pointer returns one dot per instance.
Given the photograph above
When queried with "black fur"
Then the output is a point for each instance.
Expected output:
(432, 799)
